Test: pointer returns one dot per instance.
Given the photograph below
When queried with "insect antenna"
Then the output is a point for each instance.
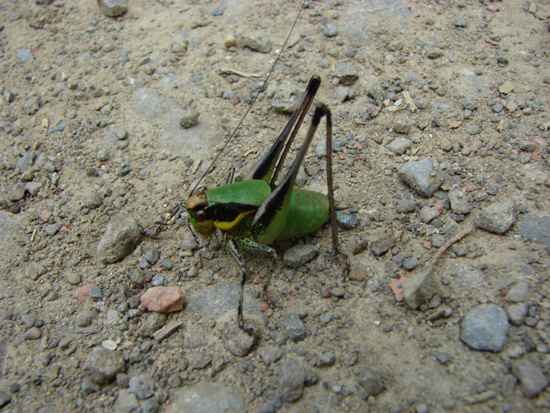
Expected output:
(234, 131)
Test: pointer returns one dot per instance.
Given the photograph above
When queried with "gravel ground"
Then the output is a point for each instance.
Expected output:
(441, 130)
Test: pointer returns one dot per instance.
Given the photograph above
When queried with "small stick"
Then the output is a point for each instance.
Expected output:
(457, 237)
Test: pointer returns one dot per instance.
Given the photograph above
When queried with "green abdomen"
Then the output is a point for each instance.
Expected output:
(308, 212)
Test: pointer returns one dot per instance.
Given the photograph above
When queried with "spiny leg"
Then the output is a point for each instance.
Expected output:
(234, 250)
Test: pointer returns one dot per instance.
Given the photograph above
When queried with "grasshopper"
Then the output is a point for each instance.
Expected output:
(253, 213)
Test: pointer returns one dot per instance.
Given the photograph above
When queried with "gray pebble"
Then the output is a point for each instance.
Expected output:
(517, 313)
(402, 125)
(152, 256)
(420, 289)
(411, 263)
(497, 217)
(112, 8)
(536, 229)
(399, 145)
(33, 187)
(95, 292)
(157, 280)
(347, 220)
(126, 402)
(434, 53)
(469, 104)
(330, 29)
(461, 22)
(257, 41)
(485, 328)
(518, 293)
(443, 357)
(102, 365)
(270, 354)
(189, 117)
(31, 105)
(530, 376)
(236, 341)
(346, 74)
(295, 328)
(423, 176)
(473, 129)
(207, 397)
(89, 387)
(327, 359)
(150, 406)
(459, 202)
(33, 333)
(291, 376)
(405, 206)
(300, 254)
(93, 200)
(428, 214)
(17, 192)
(52, 229)
(120, 238)
(85, 318)
(369, 383)
(142, 386)
(24, 55)
(26, 160)
(102, 155)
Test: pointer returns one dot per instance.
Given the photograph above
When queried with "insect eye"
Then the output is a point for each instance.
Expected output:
(201, 215)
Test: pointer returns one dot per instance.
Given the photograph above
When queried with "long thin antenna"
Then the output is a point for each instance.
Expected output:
(232, 134)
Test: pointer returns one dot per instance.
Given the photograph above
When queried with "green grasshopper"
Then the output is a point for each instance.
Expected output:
(253, 213)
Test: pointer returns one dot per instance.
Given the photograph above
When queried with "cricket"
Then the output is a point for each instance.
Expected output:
(253, 213)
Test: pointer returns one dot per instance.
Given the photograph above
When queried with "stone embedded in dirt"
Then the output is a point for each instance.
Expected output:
(101, 365)
(517, 313)
(126, 402)
(399, 145)
(142, 386)
(207, 397)
(163, 299)
(369, 383)
(255, 40)
(485, 328)
(459, 202)
(16, 192)
(420, 288)
(347, 220)
(292, 376)
(423, 176)
(346, 74)
(498, 217)
(152, 323)
(235, 340)
(122, 235)
(382, 246)
(405, 206)
(300, 254)
(518, 293)
(530, 375)
(189, 118)
(270, 354)
(112, 8)
(536, 229)
(295, 328)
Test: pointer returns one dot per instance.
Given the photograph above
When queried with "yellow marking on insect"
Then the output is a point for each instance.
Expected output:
(229, 225)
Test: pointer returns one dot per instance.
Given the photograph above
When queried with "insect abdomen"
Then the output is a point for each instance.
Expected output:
(308, 212)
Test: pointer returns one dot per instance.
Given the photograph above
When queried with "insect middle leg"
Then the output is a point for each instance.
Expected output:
(234, 251)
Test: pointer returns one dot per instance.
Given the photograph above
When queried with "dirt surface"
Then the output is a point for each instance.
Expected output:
(90, 128)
